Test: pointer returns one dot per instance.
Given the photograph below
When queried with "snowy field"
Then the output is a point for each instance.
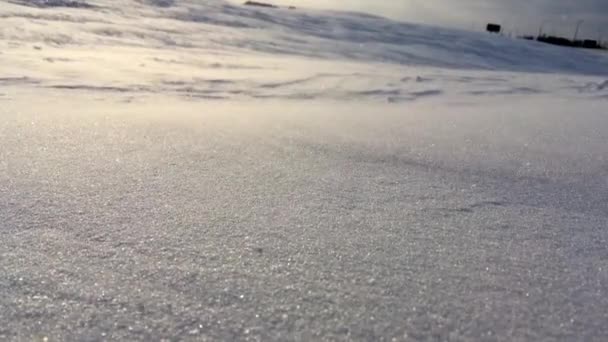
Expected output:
(200, 170)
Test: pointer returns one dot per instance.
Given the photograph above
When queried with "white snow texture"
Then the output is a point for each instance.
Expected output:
(202, 170)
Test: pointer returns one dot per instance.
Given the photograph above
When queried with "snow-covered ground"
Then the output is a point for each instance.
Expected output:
(201, 170)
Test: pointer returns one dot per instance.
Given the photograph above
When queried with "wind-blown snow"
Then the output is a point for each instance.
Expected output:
(201, 170)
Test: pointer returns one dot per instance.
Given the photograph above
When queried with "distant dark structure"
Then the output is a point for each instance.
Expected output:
(493, 28)
(591, 44)
(260, 4)
(561, 41)
(574, 42)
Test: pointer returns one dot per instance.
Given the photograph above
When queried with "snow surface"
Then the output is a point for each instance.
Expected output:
(201, 170)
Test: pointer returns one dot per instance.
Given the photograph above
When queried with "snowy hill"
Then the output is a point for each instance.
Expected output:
(201, 24)
(148, 46)
(202, 170)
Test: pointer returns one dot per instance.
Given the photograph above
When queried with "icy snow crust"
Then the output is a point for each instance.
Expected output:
(201, 170)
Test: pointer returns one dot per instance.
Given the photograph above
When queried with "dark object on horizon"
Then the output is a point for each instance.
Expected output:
(292, 7)
(494, 28)
(561, 41)
(591, 44)
(259, 4)
(528, 37)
